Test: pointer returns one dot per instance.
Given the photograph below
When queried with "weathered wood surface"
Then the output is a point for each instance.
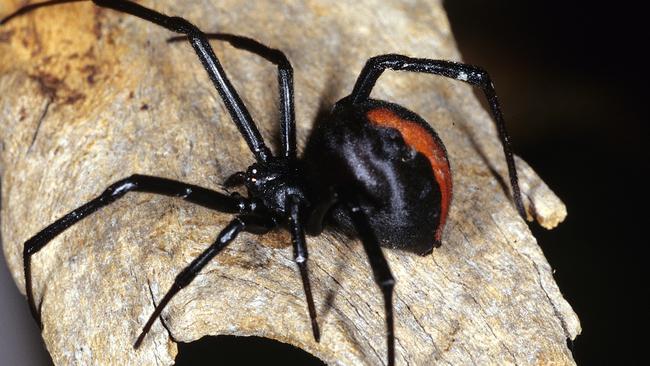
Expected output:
(89, 96)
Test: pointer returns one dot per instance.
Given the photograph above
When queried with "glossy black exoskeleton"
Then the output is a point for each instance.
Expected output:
(393, 183)
(373, 167)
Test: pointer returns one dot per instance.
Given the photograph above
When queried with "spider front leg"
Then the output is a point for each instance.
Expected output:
(235, 180)
(31, 7)
(252, 224)
(285, 83)
(138, 183)
(235, 106)
(454, 70)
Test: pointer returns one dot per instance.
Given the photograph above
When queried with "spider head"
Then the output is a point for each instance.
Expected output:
(273, 181)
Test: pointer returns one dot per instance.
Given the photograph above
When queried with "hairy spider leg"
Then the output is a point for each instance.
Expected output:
(253, 224)
(380, 269)
(137, 183)
(300, 256)
(238, 111)
(470, 74)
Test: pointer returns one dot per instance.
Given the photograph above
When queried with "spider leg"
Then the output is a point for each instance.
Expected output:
(235, 180)
(254, 224)
(31, 7)
(138, 183)
(300, 256)
(238, 111)
(285, 83)
(381, 272)
(470, 74)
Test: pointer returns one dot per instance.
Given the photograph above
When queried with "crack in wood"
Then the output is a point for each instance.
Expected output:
(48, 102)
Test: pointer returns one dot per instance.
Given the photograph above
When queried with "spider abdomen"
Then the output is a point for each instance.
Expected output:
(393, 164)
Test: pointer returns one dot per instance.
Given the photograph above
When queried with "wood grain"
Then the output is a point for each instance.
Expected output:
(89, 96)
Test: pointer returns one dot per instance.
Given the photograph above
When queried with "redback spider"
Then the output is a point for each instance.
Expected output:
(374, 167)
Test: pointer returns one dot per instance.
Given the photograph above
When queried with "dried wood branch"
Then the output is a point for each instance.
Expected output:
(89, 96)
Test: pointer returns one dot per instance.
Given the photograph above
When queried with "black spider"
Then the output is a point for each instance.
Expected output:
(374, 167)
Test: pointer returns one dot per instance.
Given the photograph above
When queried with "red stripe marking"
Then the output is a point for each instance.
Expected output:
(420, 139)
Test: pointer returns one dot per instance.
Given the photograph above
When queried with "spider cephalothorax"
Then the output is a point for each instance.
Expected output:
(372, 167)
(274, 181)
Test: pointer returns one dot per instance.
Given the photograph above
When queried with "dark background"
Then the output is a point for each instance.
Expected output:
(572, 81)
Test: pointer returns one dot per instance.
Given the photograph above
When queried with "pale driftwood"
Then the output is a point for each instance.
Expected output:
(88, 96)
